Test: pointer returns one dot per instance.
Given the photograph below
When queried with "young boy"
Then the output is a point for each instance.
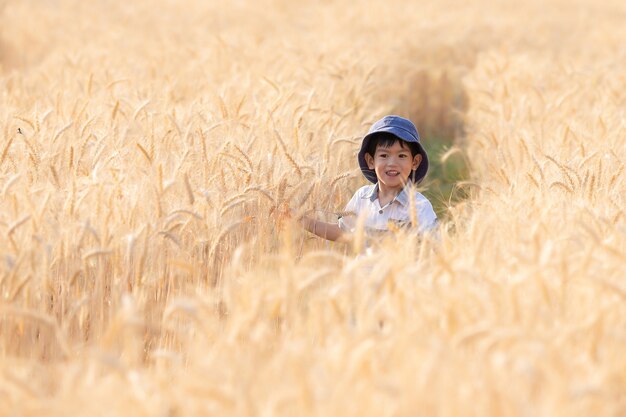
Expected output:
(392, 158)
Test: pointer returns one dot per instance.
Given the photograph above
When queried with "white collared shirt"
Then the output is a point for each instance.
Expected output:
(365, 202)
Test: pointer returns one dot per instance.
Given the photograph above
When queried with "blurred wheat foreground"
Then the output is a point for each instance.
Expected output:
(148, 152)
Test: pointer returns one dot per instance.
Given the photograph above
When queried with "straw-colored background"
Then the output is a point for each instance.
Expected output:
(149, 150)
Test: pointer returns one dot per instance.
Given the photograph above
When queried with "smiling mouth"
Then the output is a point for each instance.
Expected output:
(392, 173)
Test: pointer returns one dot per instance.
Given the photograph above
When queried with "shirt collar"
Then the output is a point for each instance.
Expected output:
(402, 198)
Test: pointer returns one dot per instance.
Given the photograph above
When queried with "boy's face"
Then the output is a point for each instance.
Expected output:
(393, 165)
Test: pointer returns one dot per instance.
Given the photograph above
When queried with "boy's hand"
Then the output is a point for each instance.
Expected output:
(297, 215)
(285, 213)
(290, 213)
(282, 214)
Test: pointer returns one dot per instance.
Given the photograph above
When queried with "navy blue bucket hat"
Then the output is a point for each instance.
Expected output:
(405, 130)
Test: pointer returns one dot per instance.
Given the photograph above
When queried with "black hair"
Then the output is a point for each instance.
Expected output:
(387, 140)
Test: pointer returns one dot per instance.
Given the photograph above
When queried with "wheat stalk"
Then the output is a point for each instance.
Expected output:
(5, 151)
(189, 190)
(283, 148)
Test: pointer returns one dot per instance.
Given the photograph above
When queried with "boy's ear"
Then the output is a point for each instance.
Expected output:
(370, 161)
(417, 160)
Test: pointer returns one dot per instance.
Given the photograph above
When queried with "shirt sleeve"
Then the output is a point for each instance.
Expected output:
(427, 216)
(347, 221)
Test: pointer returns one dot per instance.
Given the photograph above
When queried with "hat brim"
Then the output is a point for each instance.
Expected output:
(417, 175)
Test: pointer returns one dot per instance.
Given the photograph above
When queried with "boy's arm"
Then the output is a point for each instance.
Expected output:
(330, 231)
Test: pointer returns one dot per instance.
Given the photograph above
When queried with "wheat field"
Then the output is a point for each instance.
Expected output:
(149, 152)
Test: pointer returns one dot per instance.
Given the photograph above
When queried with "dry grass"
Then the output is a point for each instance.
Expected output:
(149, 152)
